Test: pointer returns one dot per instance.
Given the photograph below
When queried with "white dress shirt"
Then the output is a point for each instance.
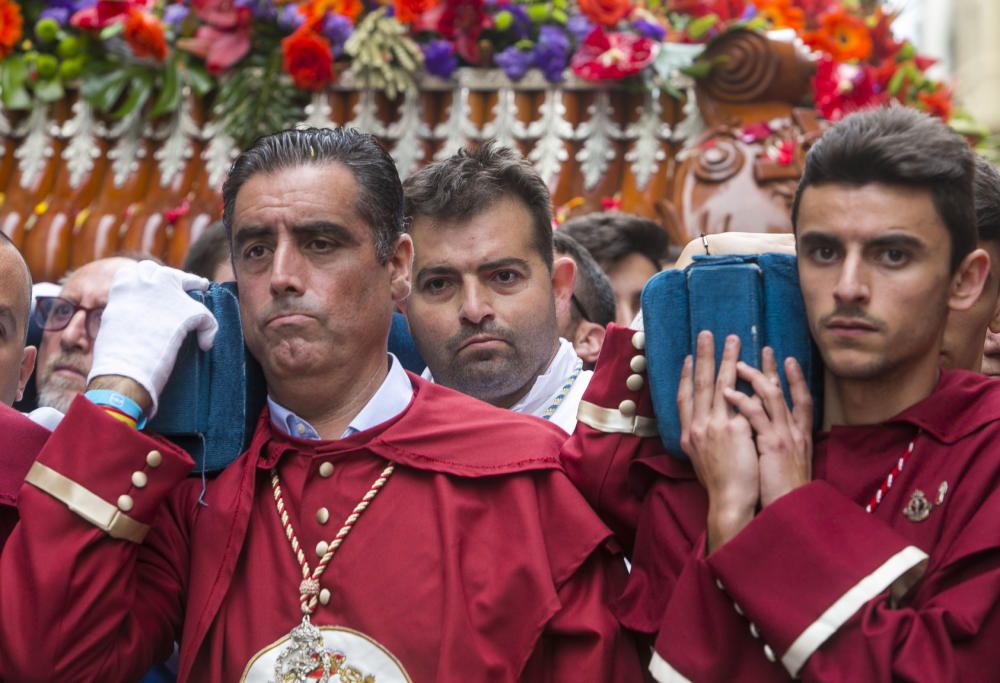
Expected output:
(390, 400)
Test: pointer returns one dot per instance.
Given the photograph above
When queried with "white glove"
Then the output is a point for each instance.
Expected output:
(148, 315)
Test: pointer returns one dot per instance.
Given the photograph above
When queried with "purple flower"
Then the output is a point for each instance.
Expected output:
(514, 62)
(551, 52)
(337, 28)
(579, 27)
(58, 14)
(260, 9)
(521, 26)
(439, 58)
(175, 15)
(290, 18)
(650, 29)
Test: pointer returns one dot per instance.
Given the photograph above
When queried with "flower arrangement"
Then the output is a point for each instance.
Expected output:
(256, 61)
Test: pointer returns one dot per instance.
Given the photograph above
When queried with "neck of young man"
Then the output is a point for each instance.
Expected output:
(848, 401)
(329, 403)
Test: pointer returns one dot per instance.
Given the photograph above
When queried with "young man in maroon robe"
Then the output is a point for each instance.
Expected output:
(375, 530)
(868, 550)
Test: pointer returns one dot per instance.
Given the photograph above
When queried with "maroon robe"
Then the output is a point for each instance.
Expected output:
(20, 441)
(478, 560)
(807, 583)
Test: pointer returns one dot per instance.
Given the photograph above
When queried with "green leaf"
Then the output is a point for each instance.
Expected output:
(698, 69)
(896, 82)
(112, 30)
(138, 93)
(198, 78)
(103, 91)
(49, 90)
(700, 26)
(169, 97)
(13, 75)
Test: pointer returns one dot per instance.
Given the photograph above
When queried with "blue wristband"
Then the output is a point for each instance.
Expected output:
(113, 399)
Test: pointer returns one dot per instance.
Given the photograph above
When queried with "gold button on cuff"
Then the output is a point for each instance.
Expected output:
(139, 480)
(639, 341)
(627, 407)
(154, 458)
(638, 363)
(125, 503)
(322, 515)
(326, 469)
(634, 382)
(769, 653)
(321, 548)
(324, 596)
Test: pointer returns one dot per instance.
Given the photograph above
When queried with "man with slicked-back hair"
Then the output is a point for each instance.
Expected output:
(375, 530)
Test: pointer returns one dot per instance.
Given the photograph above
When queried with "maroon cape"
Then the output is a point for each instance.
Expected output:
(478, 561)
(813, 587)
(20, 441)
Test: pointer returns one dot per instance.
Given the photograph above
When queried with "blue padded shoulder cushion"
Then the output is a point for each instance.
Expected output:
(756, 297)
(212, 400)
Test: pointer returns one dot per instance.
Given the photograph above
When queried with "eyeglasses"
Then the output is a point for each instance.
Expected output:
(579, 307)
(53, 313)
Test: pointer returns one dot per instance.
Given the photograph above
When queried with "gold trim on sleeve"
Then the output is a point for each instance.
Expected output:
(614, 421)
(87, 504)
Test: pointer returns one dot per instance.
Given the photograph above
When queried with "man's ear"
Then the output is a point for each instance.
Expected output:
(968, 281)
(587, 341)
(27, 365)
(563, 280)
(401, 268)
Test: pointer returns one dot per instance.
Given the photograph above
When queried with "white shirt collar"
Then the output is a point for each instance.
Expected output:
(548, 385)
(389, 401)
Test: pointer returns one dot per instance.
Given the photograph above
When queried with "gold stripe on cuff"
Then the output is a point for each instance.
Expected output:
(611, 420)
(847, 604)
(87, 504)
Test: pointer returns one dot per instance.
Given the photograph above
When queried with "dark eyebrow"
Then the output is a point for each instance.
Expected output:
(504, 263)
(897, 241)
(8, 315)
(316, 229)
(434, 271)
(815, 239)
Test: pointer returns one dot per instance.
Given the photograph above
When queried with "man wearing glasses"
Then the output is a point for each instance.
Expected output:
(592, 304)
(70, 323)
(487, 291)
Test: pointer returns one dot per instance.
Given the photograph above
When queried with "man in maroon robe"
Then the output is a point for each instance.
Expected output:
(870, 550)
(374, 530)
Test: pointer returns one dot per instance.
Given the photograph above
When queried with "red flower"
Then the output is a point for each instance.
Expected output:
(460, 21)
(11, 27)
(224, 38)
(144, 34)
(937, 102)
(607, 12)
(408, 11)
(883, 44)
(612, 56)
(724, 9)
(308, 58)
(106, 12)
(844, 88)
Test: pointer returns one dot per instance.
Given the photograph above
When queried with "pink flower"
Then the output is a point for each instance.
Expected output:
(106, 12)
(224, 37)
(612, 56)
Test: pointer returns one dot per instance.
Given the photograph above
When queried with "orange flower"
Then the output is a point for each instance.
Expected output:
(308, 58)
(144, 34)
(408, 11)
(11, 25)
(317, 9)
(937, 102)
(843, 36)
(607, 12)
(781, 14)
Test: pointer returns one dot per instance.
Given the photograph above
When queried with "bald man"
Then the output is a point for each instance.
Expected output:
(71, 321)
(16, 358)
